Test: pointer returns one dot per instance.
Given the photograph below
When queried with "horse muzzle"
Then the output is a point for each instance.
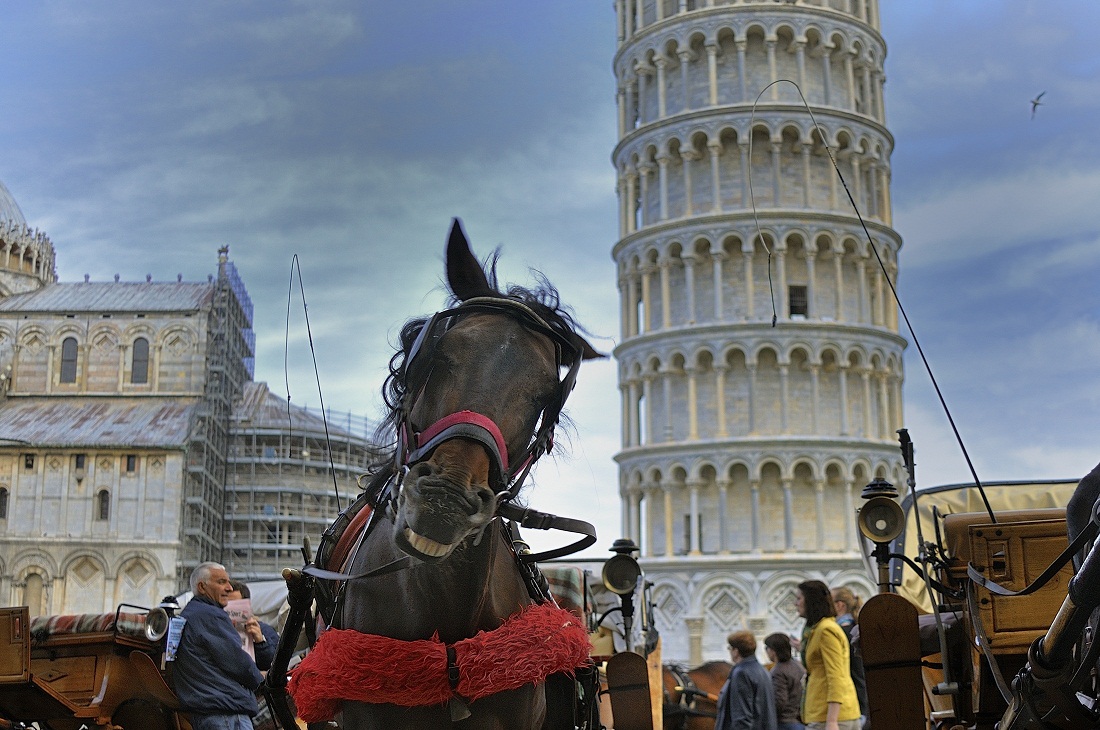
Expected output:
(438, 509)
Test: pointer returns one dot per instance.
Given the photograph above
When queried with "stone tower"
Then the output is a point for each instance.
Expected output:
(745, 445)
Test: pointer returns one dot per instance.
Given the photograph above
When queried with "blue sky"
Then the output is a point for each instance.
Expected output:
(143, 136)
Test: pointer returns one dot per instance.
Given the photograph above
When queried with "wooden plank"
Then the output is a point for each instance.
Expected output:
(628, 686)
(890, 645)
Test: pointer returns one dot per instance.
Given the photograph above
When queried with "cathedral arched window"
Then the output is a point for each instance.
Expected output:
(68, 360)
(103, 505)
(139, 369)
(3, 503)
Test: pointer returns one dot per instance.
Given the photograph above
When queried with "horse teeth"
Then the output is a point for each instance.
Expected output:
(426, 546)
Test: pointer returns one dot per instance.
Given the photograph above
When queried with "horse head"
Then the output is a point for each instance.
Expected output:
(481, 395)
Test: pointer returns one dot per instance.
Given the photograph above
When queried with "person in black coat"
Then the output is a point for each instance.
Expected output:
(747, 701)
(213, 677)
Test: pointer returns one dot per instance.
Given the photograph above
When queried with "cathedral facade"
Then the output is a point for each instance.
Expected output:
(134, 444)
(760, 364)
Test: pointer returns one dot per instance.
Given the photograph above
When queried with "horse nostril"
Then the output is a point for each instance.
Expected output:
(418, 471)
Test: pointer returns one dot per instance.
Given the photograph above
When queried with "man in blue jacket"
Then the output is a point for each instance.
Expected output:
(747, 700)
(214, 678)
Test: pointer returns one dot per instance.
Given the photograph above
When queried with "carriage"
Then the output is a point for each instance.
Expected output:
(91, 671)
(981, 620)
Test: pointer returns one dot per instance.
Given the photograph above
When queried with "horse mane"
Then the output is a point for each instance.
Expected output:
(543, 299)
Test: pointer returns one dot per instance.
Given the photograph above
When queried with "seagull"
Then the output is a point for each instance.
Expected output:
(1035, 104)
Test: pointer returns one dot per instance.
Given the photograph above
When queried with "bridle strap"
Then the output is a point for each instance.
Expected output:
(464, 424)
(533, 519)
(416, 447)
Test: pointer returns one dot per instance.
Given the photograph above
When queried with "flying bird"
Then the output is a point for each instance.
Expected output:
(1035, 103)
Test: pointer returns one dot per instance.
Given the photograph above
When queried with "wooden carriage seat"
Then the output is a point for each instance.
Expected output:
(1012, 552)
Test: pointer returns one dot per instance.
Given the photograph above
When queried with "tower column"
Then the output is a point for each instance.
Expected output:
(687, 156)
(693, 404)
(742, 45)
(842, 376)
(666, 390)
(662, 186)
(819, 505)
(784, 397)
(805, 150)
(715, 148)
(720, 370)
(755, 487)
(773, 74)
(652, 492)
(695, 519)
(751, 367)
(631, 202)
(838, 271)
(668, 519)
(685, 58)
(750, 313)
(712, 73)
(868, 416)
(849, 517)
(788, 514)
(815, 390)
(689, 282)
(723, 505)
(647, 299)
(811, 259)
(644, 171)
(663, 265)
(717, 257)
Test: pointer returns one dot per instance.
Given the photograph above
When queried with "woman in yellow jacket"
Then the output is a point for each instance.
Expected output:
(829, 702)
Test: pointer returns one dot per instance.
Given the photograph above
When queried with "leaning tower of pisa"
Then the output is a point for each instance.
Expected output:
(745, 444)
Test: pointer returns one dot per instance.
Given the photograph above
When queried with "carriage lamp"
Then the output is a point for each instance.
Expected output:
(881, 520)
(620, 576)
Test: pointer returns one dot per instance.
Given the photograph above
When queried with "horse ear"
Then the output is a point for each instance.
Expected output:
(587, 351)
(465, 276)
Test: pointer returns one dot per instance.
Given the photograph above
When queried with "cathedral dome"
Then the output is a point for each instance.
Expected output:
(9, 209)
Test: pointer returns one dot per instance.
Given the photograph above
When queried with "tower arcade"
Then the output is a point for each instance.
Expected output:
(745, 445)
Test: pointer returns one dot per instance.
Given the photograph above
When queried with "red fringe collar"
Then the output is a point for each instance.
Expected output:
(348, 665)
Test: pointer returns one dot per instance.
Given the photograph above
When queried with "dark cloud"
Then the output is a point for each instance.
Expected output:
(141, 137)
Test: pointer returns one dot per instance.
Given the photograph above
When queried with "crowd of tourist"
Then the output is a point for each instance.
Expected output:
(822, 690)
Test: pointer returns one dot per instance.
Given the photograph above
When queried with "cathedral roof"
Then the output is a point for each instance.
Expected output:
(260, 409)
(9, 209)
(112, 297)
(74, 422)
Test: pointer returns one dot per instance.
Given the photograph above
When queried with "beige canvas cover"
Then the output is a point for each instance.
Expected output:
(959, 498)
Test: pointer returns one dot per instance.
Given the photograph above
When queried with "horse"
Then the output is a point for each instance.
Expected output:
(691, 696)
(473, 396)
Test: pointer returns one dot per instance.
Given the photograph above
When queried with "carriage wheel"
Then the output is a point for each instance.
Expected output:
(144, 714)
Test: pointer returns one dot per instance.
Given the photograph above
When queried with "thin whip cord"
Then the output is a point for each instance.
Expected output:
(296, 266)
(752, 198)
(886, 275)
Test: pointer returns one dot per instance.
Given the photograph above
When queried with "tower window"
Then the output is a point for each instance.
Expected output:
(80, 460)
(799, 303)
(28, 461)
(139, 369)
(131, 463)
(102, 505)
(3, 503)
(68, 360)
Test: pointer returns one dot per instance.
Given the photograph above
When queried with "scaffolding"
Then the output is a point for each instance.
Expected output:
(287, 480)
(230, 354)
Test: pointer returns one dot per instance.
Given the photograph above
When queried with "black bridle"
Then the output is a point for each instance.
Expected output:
(505, 478)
